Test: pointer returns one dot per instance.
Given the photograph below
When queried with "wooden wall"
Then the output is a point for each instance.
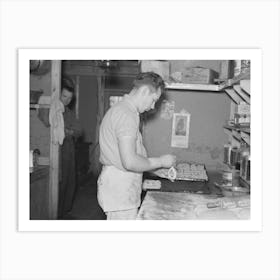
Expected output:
(39, 133)
(209, 112)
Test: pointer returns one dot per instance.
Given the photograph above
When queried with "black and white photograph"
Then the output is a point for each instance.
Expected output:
(101, 148)
(90, 161)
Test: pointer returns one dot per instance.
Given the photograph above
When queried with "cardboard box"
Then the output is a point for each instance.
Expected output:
(158, 66)
(198, 75)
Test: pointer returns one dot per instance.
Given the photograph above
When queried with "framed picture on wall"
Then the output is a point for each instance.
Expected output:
(180, 130)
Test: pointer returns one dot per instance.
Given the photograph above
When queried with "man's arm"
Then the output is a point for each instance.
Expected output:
(137, 163)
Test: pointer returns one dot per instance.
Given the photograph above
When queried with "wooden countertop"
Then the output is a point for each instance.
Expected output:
(187, 206)
(188, 200)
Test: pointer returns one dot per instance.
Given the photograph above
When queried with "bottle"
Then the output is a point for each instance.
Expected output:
(227, 152)
(227, 176)
(244, 153)
(233, 156)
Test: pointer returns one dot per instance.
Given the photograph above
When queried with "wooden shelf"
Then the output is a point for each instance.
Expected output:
(213, 87)
(37, 106)
(245, 85)
(238, 128)
(200, 87)
(238, 133)
(239, 92)
(242, 93)
(234, 96)
(43, 101)
(244, 183)
(246, 137)
(237, 79)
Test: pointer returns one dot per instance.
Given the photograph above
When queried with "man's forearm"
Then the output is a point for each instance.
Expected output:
(140, 164)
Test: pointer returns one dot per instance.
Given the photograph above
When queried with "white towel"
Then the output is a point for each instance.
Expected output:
(57, 121)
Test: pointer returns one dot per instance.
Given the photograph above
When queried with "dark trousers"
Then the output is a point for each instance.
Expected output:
(67, 186)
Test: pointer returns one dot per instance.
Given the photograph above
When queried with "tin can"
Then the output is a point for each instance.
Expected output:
(244, 163)
(248, 166)
(227, 152)
(231, 177)
(227, 176)
(233, 156)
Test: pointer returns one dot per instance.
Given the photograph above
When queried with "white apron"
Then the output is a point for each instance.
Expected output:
(118, 190)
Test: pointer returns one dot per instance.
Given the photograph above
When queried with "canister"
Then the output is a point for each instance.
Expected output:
(227, 151)
(243, 163)
(230, 177)
(227, 176)
(235, 177)
(233, 156)
(248, 166)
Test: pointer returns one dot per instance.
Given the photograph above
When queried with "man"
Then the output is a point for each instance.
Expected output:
(73, 130)
(122, 153)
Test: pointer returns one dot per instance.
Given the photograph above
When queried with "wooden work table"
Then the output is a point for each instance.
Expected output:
(182, 200)
(39, 193)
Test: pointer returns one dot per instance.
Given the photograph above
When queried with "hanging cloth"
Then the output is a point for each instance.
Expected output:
(56, 120)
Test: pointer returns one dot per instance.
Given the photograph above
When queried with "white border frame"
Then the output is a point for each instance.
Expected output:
(254, 224)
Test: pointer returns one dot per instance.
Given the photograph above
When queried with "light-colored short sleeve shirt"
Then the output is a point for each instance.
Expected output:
(120, 120)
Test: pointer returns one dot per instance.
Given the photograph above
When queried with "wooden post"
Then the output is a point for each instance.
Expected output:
(54, 147)
(100, 115)
(77, 93)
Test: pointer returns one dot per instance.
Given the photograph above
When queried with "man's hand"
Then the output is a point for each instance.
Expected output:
(167, 161)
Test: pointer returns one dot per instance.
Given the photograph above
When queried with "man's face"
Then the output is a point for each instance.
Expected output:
(150, 99)
(66, 97)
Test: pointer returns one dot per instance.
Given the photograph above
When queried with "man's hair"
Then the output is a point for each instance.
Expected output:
(68, 84)
(149, 79)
